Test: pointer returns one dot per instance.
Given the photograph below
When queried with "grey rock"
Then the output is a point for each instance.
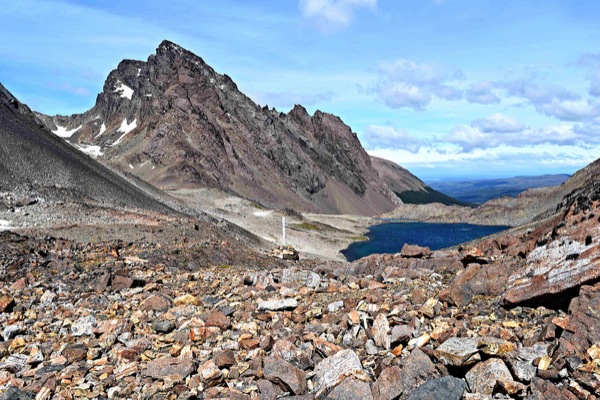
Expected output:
(11, 331)
(351, 389)
(459, 351)
(331, 371)
(84, 326)
(446, 388)
(163, 326)
(13, 393)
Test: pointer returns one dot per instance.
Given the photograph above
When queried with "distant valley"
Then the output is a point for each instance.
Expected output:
(478, 191)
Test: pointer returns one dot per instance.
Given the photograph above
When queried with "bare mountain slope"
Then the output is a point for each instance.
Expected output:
(176, 123)
(409, 188)
(35, 162)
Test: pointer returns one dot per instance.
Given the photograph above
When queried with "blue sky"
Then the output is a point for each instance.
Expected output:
(445, 88)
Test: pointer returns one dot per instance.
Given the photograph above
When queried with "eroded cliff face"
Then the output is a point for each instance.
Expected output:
(176, 123)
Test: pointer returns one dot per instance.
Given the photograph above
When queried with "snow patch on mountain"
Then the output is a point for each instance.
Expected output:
(124, 90)
(89, 149)
(125, 128)
(62, 131)
(102, 130)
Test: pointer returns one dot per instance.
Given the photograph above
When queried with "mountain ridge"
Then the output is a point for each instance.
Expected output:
(175, 122)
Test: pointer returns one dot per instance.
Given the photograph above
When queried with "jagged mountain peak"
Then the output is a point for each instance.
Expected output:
(176, 122)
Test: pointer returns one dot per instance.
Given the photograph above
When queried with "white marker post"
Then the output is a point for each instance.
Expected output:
(283, 228)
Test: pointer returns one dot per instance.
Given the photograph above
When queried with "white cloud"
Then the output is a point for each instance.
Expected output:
(498, 123)
(555, 101)
(377, 137)
(502, 160)
(481, 93)
(333, 15)
(406, 84)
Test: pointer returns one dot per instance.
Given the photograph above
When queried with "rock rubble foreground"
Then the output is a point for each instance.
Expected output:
(515, 316)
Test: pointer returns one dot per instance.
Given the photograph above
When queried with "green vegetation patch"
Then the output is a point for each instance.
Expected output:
(427, 196)
(307, 226)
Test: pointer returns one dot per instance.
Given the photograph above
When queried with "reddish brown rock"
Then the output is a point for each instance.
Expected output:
(224, 358)
(218, 319)
(554, 268)
(351, 389)
(489, 279)
(6, 303)
(119, 282)
(75, 353)
(396, 382)
(584, 319)
(159, 368)
(389, 385)
(156, 302)
(414, 251)
(284, 374)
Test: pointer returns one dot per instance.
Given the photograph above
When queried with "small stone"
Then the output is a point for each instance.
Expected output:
(156, 302)
(218, 319)
(335, 306)
(446, 388)
(521, 360)
(495, 347)
(162, 367)
(84, 326)
(119, 282)
(482, 377)
(11, 331)
(277, 305)
(224, 358)
(380, 330)
(351, 389)
(389, 385)
(331, 371)
(282, 373)
(6, 303)
(163, 326)
(209, 372)
(458, 352)
(74, 353)
(185, 299)
(401, 333)
(414, 251)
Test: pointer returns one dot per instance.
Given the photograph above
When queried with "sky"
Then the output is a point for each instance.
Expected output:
(447, 89)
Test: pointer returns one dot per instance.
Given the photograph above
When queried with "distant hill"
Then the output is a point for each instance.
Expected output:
(481, 190)
(409, 188)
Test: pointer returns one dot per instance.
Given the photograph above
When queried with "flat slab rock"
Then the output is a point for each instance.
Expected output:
(331, 371)
(553, 268)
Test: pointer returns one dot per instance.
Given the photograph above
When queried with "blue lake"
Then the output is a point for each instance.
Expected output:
(390, 237)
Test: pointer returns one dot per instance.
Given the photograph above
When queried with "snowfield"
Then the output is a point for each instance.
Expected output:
(62, 132)
(125, 91)
(125, 128)
(90, 150)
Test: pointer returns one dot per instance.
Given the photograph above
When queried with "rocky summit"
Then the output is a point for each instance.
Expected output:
(176, 123)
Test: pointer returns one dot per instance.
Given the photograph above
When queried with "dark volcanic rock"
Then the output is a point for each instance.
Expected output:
(446, 388)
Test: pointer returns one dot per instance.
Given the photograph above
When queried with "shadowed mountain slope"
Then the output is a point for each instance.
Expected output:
(34, 162)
